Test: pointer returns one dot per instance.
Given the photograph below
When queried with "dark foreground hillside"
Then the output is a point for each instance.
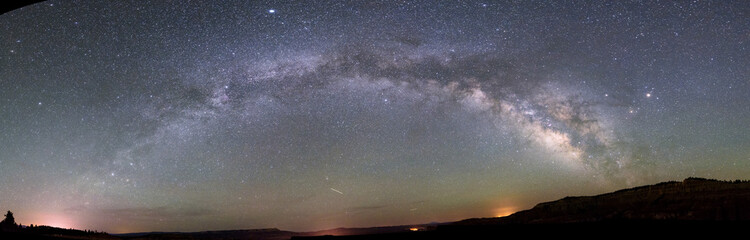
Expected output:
(694, 199)
(692, 208)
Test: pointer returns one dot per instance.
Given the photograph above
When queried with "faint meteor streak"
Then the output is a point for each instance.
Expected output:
(333, 189)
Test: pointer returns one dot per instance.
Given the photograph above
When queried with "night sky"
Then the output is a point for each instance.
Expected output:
(127, 116)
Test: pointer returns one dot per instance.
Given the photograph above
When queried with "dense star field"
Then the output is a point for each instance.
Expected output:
(128, 116)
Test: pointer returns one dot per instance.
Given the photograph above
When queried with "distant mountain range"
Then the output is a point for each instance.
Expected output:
(694, 207)
(276, 234)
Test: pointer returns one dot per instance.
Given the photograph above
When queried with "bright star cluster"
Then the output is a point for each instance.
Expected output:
(301, 115)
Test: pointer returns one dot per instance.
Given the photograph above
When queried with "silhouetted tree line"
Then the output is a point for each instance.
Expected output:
(715, 180)
(9, 225)
(42, 229)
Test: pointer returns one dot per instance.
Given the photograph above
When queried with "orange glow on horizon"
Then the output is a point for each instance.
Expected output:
(52, 221)
(504, 211)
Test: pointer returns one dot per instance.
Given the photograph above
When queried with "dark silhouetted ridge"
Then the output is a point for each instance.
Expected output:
(694, 199)
(694, 207)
